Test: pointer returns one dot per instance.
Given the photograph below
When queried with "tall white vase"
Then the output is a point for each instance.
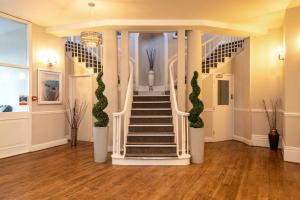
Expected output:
(197, 145)
(151, 79)
(100, 136)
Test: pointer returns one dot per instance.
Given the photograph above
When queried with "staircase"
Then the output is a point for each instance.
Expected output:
(151, 130)
(89, 57)
(146, 131)
(218, 50)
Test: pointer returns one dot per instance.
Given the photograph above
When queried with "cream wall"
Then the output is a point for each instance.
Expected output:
(291, 81)
(266, 77)
(242, 106)
(48, 121)
(156, 41)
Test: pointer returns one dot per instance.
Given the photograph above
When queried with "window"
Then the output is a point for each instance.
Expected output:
(223, 92)
(14, 66)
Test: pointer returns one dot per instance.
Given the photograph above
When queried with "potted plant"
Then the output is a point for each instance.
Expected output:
(151, 53)
(74, 117)
(196, 123)
(272, 121)
(100, 130)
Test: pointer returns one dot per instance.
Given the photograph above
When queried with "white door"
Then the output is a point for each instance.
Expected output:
(223, 127)
(82, 90)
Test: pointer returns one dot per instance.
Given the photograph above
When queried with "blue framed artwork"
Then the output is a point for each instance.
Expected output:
(49, 87)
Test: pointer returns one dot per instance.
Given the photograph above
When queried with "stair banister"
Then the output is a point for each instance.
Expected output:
(182, 146)
(118, 122)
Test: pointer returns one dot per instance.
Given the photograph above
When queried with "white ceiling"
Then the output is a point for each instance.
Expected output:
(53, 13)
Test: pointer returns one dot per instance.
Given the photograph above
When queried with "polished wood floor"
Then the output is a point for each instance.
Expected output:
(231, 170)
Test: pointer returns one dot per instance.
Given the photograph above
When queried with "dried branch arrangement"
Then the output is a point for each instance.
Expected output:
(75, 113)
(151, 53)
(271, 114)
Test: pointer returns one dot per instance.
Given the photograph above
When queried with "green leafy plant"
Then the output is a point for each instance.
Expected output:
(197, 109)
(98, 109)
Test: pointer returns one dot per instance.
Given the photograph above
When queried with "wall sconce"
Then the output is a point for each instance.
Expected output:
(51, 62)
(280, 54)
(48, 57)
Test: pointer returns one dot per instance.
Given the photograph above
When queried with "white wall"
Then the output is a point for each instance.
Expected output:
(146, 41)
(48, 121)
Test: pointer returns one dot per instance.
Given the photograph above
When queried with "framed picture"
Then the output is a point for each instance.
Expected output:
(49, 87)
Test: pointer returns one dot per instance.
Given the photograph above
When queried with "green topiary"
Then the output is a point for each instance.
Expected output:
(197, 109)
(99, 114)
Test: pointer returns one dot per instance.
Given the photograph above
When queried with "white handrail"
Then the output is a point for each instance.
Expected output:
(182, 143)
(118, 122)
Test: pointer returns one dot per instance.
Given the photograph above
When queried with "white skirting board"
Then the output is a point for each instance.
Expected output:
(242, 139)
(50, 144)
(153, 161)
(13, 150)
(263, 141)
(291, 154)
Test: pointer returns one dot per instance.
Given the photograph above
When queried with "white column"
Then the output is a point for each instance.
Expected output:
(166, 61)
(124, 67)
(194, 60)
(181, 87)
(136, 55)
(110, 75)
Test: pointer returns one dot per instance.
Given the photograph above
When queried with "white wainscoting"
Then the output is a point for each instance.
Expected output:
(49, 129)
(15, 133)
(50, 144)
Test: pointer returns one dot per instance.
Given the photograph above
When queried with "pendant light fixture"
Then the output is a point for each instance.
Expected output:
(91, 38)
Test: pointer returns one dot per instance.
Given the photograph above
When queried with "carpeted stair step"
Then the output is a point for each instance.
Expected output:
(150, 119)
(147, 139)
(151, 98)
(151, 156)
(151, 128)
(150, 149)
(151, 104)
(149, 111)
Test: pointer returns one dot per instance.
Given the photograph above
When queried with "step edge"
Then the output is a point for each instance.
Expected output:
(150, 145)
(151, 135)
(151, 116)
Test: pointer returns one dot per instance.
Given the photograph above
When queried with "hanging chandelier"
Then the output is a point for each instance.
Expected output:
(91, 38)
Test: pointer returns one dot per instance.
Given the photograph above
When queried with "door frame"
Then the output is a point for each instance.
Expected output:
(215, 100)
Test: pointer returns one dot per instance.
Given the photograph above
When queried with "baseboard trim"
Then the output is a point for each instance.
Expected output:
(242, 139)
(209, 139)
(13, 150)
(153, 161)
(263, 141)
(291, 154)
(47, 145)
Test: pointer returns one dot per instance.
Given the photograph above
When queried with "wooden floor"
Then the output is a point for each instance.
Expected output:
(231, 170)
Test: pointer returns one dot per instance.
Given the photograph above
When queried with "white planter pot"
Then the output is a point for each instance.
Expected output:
(151, 78)
(100, 135)
(197, 144)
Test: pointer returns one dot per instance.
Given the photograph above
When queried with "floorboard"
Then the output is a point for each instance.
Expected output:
(231, 170)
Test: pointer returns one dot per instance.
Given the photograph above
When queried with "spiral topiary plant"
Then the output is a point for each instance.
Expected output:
(98, 113)
(197, 109)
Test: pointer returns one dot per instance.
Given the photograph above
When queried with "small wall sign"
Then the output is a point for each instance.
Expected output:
(23, 100)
